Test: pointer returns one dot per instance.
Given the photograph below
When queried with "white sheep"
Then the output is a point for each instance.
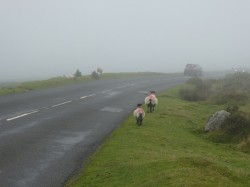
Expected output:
(151, 101)
(139, 114)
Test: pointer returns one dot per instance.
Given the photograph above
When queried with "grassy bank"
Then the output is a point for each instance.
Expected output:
(62, 81)
(34, 85)
(169, 149)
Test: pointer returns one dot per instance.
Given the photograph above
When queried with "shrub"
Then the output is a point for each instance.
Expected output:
(232, 90)
(232, 109)
(95, 75)
(236, 128)
(236, 82)
(230, 98)
(78, 73)
(237, 125)
(195, 90)
(195, 81)
(189, 93)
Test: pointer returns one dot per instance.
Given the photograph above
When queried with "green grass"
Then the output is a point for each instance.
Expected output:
(34, 85)
(169, 149)
(61, 81)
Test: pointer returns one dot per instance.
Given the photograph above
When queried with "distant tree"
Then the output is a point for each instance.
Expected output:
(95, 75)
(99, 71)
(78, 73)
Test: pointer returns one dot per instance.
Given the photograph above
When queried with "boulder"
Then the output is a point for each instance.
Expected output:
(216, 120)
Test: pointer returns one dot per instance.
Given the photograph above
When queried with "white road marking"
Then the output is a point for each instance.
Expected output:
(26, 114)
(91, 95)
(61, 104)
(87, 96)
(106, 91)
(122, 86)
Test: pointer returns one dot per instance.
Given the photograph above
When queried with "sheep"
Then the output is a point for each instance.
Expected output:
(151, 101)
(139, 114)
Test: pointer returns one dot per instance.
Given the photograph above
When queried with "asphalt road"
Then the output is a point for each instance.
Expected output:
(46, 135)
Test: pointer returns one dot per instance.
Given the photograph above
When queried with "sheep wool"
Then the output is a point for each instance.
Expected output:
(153, 99)
(139, 111)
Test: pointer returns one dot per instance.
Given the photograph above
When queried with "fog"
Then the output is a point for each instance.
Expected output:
(40, 39)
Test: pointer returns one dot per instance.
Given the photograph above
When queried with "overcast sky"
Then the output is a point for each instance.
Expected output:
(40, 39)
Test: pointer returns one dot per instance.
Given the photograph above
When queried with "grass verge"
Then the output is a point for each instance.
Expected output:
(169, 149)
(62, 81)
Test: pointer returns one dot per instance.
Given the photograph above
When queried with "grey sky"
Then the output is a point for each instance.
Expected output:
(47, 38)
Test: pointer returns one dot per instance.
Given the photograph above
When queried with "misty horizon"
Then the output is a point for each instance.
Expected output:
(44, 39)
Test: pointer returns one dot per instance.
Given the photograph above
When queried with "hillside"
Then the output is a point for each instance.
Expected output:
(171, 148)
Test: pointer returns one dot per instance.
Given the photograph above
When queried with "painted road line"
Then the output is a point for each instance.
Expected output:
(91, 95)
(122, 86)
(87, 96)
(61, 104)
(106, 91)
(26, 114)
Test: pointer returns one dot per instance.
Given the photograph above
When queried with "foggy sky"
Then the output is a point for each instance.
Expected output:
(40, 39)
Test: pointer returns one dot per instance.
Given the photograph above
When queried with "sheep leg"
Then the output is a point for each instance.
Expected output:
(139, 120)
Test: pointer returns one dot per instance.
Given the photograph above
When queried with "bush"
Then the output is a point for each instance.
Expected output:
(95, 75)
(232, 90)
(236, 82)
(235, 129)
(189, 93)
(230, 98)
(195, 90)
(78, 73)
(195, 81)
(237, 125)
